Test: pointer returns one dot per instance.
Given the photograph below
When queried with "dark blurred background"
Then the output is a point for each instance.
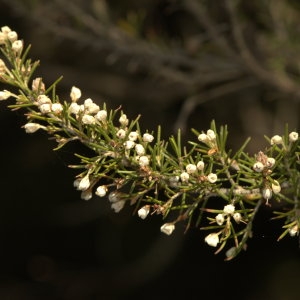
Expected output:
(179, 64)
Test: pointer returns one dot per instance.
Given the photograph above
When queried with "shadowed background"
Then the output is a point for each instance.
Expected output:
(179, 64)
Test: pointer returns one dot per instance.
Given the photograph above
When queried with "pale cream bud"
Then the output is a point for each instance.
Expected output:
(101, 115)
(32, 127)
(101, 191)
(148, 137)
(144, 161)
(167, 228)
(203, 138)
(258, 166)
(129, 145)
(88, 120)
(184, 176)
(144, 211)
(84, 183)
(211, 135)
(276, 140)
(228, 209)
(140, 150)
(5, 95)
(212, 177)
(118, 206)
(276, 188)
(212, 239)
(57, 108)
(191, 168)
(293, 137)
(74, 108)
(17, 46)
(237, 217)
(220, 219)
(133, 135)
(267, 193)
(200, 165)
(123, 120)
(38, 85)
(75, 93)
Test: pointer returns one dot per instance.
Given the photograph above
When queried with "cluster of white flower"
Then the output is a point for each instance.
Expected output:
(89, 112)
(7, 34)
(209, 138)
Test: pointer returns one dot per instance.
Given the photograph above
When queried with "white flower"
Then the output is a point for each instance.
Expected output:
(17, 46)
(123, 120)
(121, 133)
(5, 95)
(191, 168)
(101, 115)
(5, 29)
(101, 191)
(203, 138)
(133, 135)
(45, 108)
(276, 188)
(237, 217)
(12, 36)
(117, 206)
(212, 177)
(200, 165)
(276, 140)
(144, 161)
(86, 195)
(74, 108)
(57, 108)
(43, 99)
(84, 183)
(211, 135)
(212, 239)
(167, 228)
(294, 230)
(37, 84)
(258, 166)
(293, 136)
(32, 127)
(144, 211)
(129, 145)
(228, 209)
(87, 119)
(148, 137)
(90, 107)
(140, 150)
(220, 219)
(267, 193)
(270, 162)
(75, 93)
(184, 176)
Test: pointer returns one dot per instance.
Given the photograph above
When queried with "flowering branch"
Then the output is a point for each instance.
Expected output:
(155, 176)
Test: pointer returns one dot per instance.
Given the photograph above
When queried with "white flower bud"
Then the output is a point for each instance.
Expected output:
(45, 108)
(237, 217)
(133, 135)
(267, 193)
(211, 135)
(270, 162)
(5, 29)
(228, 209)
(90, 107)
(144, 161)
(140, 150)
(74, 108)
(276, 140)
(144, 211)
(5, 95)
(38, 85)
(200, 165)
(43, 99)
(129, 145)
(184, 176)
(88, 120)
(84, 183)
(293, 137)
(57, 108)
(75, 93)
(191, 168)
(123, 120)
(220, 219)
(258, 166)
(32, 127)
(294, 230)
(167, 228)
(203, 138)
(118, 206)
(121, 133)
(101, 191)
(12, 36)
(17, 46)
(101, 115)
(212, 239)
(276, 188)
(212, 177)
(148, 137)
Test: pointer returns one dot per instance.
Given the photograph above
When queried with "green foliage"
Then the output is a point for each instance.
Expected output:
(155, 176)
